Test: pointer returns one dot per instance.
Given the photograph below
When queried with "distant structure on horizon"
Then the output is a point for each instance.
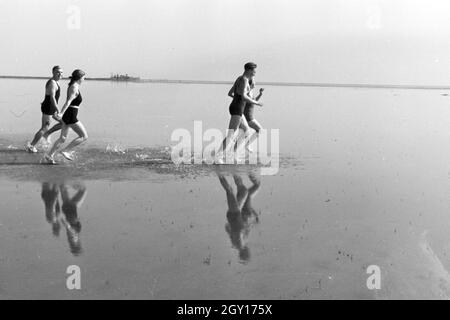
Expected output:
(123, 77)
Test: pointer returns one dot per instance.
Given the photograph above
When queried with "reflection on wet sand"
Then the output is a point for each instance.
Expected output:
(49, 195)
(240, 214)
(70, 204)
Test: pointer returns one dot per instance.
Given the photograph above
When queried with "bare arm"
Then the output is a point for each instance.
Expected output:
(243, 84)
(260, 94)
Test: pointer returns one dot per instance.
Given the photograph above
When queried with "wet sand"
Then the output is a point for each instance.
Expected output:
(364, 180)
(155, 232)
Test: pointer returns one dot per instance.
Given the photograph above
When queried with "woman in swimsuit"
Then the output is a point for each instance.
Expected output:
(241, 95)
(68, 115)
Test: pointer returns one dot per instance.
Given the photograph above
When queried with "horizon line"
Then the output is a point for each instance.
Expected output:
(269, 83)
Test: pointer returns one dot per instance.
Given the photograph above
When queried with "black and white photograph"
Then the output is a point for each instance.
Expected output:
(226, 150)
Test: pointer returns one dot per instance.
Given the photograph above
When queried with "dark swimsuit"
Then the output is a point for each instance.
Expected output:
(46, 106)
(238, 104)
(70, 115)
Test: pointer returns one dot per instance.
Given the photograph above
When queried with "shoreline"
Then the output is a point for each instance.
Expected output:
(265, 83)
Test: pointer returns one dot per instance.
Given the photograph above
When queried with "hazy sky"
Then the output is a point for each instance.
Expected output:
(362, 41)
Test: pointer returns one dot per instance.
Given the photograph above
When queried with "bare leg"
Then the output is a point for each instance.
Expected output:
(55, 128)
(243, 131)
(242, 191)
(231, 198)
(50, 197)
(252, 191)
(236, 227)
(71, 220)
(44, 128)
(62, 138)
(235, 121)
(82, 136)
(254, 124)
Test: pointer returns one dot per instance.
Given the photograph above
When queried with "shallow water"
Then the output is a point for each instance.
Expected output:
(363, 180)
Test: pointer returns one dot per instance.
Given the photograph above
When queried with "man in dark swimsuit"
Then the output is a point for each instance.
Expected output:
(248, 113)
(49, 108)
(241, 90)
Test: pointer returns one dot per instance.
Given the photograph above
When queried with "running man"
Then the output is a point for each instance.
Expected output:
(49, 107)
(248, 112)
(241, 96)
(69, 113)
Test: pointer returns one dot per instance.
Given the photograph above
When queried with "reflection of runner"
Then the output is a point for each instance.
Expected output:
(49, 108)
(70, 220)
(49, 195)
(247, 209)
(240, 213)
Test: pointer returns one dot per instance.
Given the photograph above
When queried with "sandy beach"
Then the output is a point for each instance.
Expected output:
(363, 180)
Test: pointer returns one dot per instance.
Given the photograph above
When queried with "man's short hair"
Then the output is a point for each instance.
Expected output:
(250, 66)
(55, 68)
